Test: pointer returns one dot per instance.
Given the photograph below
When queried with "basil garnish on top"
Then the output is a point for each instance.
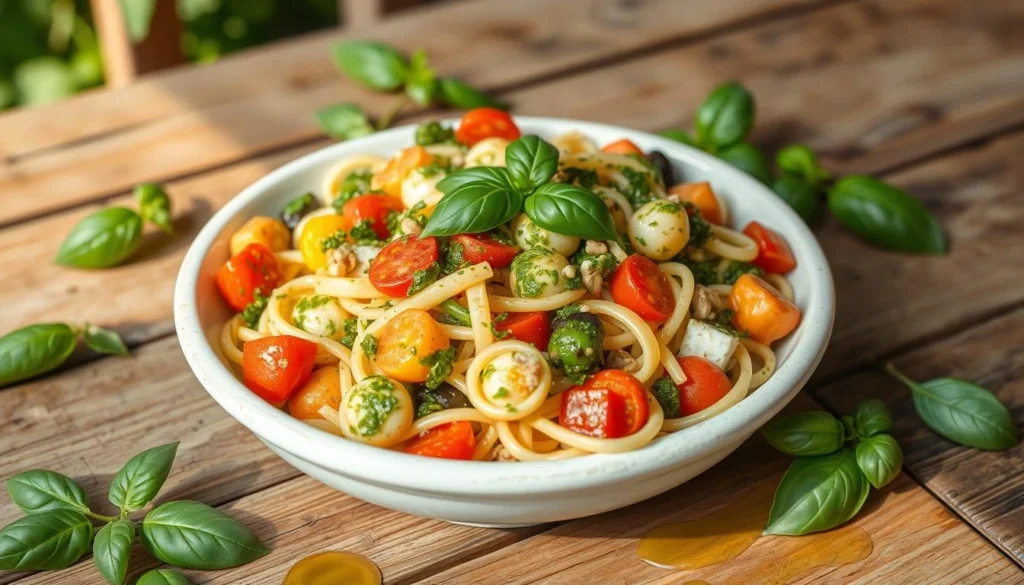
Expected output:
(479, 199)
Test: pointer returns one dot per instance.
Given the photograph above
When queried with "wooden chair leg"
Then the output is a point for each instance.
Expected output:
(123, 61)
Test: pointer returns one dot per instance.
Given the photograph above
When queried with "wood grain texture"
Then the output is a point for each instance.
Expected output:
(186, 122)
(987, 488)
(916, 540)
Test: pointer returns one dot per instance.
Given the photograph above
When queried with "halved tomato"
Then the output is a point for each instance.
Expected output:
(477, 248)
(639, 285)
(391, 272)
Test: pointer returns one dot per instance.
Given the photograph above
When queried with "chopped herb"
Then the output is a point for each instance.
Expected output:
(369, 346)
(440, 363)
(434, 133)
(415, 213)
(575, 282)
(356, 183)
(501, 393)
(363, 233)
(667, 394)
(452, 313)
(377, 401)
(332, 241)
(567, 310)
(295, 209)
(606, 262)
(638, 188)
(305, 304)
(454, 259)
(585, 178)
(736, 269)
(252, 312)
(700, 229)
(704, 271)
(421, 279)
(350, 327)
(494, 330)
(433, 169)
(511, 408)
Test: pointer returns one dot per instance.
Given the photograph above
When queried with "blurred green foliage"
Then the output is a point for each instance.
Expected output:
(49, 50)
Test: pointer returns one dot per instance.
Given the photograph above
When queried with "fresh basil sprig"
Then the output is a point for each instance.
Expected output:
(800, 161)
(725, 117)
(373, 64)
(829, 481)
(36, 349)
(344, 121)
(885, 216)
(749, 159)
(479, 199)
(798, 194)
(60, 526)
(962, 412)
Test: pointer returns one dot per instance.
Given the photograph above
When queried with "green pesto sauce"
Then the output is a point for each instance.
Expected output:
(531, 279)
(373, 400)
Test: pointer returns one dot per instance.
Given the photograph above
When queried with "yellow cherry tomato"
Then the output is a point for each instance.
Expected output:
(312, 237)
(407, 339)
(322, 389)
(268, 231)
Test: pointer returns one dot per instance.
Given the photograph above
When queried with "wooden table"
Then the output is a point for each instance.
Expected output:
(926, 93)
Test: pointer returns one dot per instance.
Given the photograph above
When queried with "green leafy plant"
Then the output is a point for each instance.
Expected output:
(479, 199)
(36, 349)
(878, 213)
(109, 236)
(961, 411)
(837, 462)
(383, 68)
(60, 524)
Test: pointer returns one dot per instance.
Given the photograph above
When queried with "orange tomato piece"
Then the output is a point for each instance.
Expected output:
(761, 311)
(703, 198)
(389, 179)
(322, 389)
(622, 147)
(705, 385)
(448, 441)
(252, 270)
(405, 341)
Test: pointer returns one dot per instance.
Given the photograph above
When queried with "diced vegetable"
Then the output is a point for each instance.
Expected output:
(393, 270)
(406, 341)
(640, 286)
(252, 270)
(275, 367)
(612, 403)
(701, 195)
(576, 345)
(269, 232)
(322, 389)
(622, 147)
(430, 401)
(707, 341)
(477, 248)
(481, 123)
(760, 311)
(532, 328)
(448, 441)
(773, 253)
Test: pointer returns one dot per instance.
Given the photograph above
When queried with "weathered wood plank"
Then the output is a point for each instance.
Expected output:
(185, 122)
(916, 540)
(986, 488)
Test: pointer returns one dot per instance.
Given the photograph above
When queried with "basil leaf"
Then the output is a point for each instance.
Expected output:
(871, 417)
(800, 161)
(885, 216)
(44, 542)
(799, 195)
(421, 84)
(138, 482)
(749, 159)
(34, 350)
(104, 239)
(532, 161)
(818, 493)
(725, 117)
(40, 490)
(154, 205)
(111, 548)
(806, 433)
(192, 535)
(474, 206)
(962, 412)
(681, 136)
(461, 95)
(104, 340)
(571, 211)
(880, 458)
(373, 64)
(344, 121)
(163, 577)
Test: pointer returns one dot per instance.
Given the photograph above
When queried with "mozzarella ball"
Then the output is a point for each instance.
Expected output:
(573, 142)
(659, 230)
(537, 272)
(378, 411)
(489, 152)
(420, 186)
(510, 378)
(320, 315)
(530, 235)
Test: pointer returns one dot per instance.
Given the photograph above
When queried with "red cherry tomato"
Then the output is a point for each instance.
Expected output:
(253, 269)
(373, 208)
(448, 441)
(705, 385)
(622, 147)
(532, 328)
(640, 286)
(484, 123)
(392, 270)
(275, 367)
(773, 253)
(477, 248)
(612, 403)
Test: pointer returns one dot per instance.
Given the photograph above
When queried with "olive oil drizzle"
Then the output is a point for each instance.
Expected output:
(334, 568)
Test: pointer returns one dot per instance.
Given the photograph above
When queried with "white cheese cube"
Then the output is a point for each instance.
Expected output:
(709, 342)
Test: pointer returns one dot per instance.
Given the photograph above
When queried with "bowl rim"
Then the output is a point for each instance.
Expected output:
(394, 469)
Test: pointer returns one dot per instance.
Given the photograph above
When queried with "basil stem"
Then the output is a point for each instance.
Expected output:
(885, 216)
(154, 205)
(373, 64)
(104, 239)
(818, 493)
(34, 350)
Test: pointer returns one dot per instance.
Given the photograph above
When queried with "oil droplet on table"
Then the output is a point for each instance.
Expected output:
(798, 555)
(715, 538)
(334, 568)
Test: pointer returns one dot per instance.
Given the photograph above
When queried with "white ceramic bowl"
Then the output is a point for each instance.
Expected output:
(501, 494)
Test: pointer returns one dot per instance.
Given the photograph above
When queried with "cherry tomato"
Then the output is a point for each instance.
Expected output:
(403, 343)
(640, 286)
(389, 179)
(253, 269)
(705, 385)
(372, 207)
(392, 270)
(275, 367)
(477, 248)
(322, 389)
(622, 147)
(448, 441)
(532, 328)
(773, 253)
(612, 403)
(484, 123)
